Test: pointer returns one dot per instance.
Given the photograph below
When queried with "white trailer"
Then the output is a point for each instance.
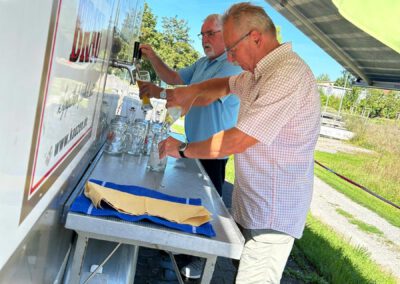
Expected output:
(53, 115)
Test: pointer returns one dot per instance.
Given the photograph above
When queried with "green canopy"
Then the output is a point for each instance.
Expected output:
(361, 35)
(380, 19)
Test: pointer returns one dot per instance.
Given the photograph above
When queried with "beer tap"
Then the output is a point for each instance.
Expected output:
(130, 67)
(133, 66)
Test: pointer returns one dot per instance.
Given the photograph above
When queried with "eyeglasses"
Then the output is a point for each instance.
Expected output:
(232, 48)
(207, 34)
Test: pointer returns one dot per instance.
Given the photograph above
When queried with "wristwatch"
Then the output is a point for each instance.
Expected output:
(182, 149)
(163, 94)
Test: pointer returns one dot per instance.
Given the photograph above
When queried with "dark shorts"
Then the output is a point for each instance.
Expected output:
(216, 171)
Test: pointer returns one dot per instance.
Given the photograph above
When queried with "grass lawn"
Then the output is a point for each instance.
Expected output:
(335, 259)
(230, 170)
(178, 128)
(360, 224)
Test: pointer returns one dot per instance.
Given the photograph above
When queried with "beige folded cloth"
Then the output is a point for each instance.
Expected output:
(138, 205)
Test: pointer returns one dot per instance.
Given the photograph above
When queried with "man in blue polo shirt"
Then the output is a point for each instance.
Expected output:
(203, 122)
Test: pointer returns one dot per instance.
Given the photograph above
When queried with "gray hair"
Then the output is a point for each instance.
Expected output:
(215, 17)
(247, 17)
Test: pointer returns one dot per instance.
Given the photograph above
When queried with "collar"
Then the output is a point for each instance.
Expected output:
(266, 65)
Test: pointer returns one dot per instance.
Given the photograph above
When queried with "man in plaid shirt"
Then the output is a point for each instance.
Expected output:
(273, 141)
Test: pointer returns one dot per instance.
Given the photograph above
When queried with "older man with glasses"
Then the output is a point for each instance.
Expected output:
(273, 141)
(203, 121)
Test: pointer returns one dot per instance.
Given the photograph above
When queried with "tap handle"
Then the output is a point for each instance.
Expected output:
(137, 53)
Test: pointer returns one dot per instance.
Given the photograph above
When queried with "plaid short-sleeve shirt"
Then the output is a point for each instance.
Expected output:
(280, 107)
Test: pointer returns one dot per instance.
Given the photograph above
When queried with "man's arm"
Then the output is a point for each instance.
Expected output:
(199, 94)
(166, 74)
(221, 144)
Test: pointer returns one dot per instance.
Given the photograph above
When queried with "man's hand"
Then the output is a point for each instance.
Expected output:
(148, 51)
(165, 73)
(169, 147)
(149, 89)
(180, 97)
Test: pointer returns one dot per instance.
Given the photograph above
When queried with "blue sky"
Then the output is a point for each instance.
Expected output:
(195, 11)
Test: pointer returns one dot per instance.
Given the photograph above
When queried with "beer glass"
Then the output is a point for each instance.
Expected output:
(154, 163)
(144, 76)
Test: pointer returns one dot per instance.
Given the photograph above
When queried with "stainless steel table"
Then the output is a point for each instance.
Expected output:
(183, 178)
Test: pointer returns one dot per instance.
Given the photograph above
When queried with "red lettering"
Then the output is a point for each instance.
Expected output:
(85, 48)
(87, 37)
(76, 45)
(95, 44)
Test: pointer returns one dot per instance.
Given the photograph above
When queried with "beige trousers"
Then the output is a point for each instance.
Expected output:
(264, 256)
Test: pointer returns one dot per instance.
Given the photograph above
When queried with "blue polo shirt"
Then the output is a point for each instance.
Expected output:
(203, 122)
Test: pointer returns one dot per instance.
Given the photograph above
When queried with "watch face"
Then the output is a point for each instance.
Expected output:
(163, 94)
(182, 147)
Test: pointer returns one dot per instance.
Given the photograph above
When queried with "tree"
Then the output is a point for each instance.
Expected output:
(149, 33)
(346, 77)
(175, 30)
(127, 36)
(123, 41)
(392, 105)
(323, 78)
(176, 49)
(381, 104)
(172, 44)
(351, 97)
(278, 34)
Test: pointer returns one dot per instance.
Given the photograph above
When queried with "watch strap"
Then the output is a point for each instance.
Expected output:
(182, 149)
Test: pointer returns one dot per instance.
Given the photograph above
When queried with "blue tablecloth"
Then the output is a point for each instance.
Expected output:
(84, 205)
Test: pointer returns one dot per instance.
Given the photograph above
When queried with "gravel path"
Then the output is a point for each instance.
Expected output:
(334, 146)
(385, 250)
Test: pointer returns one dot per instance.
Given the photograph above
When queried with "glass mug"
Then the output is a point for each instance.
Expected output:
(115, 143)
(155, 164)
(144, 76)
(135, 137)
(153, 129)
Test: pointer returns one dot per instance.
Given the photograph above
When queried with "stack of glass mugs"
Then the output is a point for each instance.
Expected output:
(140, 136)
(116, 138)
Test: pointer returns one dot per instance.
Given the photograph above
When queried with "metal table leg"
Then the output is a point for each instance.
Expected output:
(176, 269)
(134, 264)
(208, 269)
(79, 254)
